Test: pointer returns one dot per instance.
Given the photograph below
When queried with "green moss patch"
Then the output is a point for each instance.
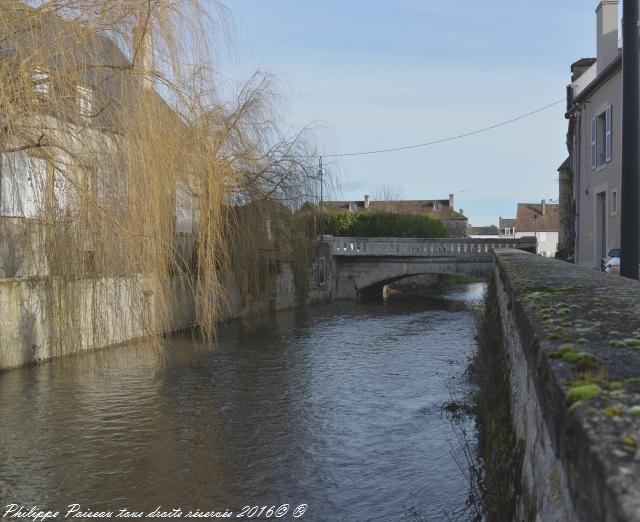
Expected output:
(582, 393)
(634, 411)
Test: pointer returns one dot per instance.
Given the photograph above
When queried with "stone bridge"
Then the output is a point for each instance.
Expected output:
(365, 265)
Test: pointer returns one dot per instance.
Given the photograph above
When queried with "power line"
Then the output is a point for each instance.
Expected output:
(450, 138)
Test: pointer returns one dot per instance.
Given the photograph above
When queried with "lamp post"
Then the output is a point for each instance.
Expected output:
(321, 197)
(630, 186)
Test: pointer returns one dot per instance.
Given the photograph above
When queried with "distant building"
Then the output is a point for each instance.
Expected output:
(541, 220)
(484, 232)
(455, 222)
(506, 227)
(594, 142)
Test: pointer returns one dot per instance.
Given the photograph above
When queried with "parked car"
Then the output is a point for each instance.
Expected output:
(613, 266)
(612, 260)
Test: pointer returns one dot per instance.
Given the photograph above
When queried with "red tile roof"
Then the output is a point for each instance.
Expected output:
(531, 219)
(436, 207)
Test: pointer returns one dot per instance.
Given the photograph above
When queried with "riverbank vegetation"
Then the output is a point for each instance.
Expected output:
(121, 159)
(495, 474)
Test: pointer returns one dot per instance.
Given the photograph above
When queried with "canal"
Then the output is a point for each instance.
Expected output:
(337, 407)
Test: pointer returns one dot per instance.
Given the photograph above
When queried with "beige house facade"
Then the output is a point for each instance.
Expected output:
(594, 103)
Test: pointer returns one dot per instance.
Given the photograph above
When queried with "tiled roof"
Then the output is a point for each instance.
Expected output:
(566, 164)
(531, 219)
(506, 223)
(491, 230)
(437, 207)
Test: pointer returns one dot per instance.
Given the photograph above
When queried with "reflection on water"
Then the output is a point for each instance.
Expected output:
(337, 407)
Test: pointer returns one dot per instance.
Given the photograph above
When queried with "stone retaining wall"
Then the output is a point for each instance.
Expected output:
(115, 310)
(572, 337)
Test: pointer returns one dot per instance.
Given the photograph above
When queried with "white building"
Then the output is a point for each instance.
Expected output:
(541, 220)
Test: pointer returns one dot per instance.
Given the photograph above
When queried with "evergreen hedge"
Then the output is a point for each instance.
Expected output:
(382, 224)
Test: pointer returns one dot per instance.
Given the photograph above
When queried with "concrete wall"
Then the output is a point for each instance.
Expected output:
(547, 242)
(581, 459)
(115, 310)
(100, 312)
(282, 291)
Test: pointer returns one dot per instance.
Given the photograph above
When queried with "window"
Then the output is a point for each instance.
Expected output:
(436, 205)
(614, 202)
(84, 96)
(185, 204)
(40, 82)
(61, 183)
(601, 138)
(22, 182)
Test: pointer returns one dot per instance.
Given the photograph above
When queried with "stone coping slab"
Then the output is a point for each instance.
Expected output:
(580, 329)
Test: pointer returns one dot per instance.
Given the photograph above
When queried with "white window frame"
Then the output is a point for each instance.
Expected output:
(602, 138)
(22, 185)
(41, 82)
(185, 205)
(84, 97)
(61, 185)
(614, 202)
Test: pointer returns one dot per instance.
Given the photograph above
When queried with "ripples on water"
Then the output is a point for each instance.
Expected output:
(337, 407)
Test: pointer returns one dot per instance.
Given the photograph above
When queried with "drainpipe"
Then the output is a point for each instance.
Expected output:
(630, 186)
(576, 194)
(535, 220)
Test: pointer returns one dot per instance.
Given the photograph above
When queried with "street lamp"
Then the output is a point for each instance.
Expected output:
(630, 186)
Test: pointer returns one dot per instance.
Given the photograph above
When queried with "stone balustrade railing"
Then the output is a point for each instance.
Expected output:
(362, 246)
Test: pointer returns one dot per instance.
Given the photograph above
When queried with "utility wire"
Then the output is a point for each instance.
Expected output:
(450, 138)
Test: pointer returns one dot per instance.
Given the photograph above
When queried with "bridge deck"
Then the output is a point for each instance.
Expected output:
(410, 247)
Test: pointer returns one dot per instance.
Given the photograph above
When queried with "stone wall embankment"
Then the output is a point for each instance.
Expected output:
(107, 311)
(572, 339)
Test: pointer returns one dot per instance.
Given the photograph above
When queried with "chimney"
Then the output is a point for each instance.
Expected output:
(366, 201)
(451, 201)
(580, 67)
(543, 207)
(607, 37)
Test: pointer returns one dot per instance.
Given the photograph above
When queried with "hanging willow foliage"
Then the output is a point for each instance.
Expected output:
(126, 180)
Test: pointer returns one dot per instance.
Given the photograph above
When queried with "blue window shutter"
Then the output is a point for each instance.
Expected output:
(594, 146)
(608, 133)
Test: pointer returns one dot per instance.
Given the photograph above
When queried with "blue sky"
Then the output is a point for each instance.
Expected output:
(376, 74)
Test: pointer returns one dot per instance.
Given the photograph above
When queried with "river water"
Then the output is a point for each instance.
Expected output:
(336, 407)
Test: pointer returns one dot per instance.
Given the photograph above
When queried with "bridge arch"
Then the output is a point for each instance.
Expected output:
(369, 277)
(362, 263)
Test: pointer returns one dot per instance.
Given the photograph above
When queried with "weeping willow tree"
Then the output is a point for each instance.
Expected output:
(121, 163)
